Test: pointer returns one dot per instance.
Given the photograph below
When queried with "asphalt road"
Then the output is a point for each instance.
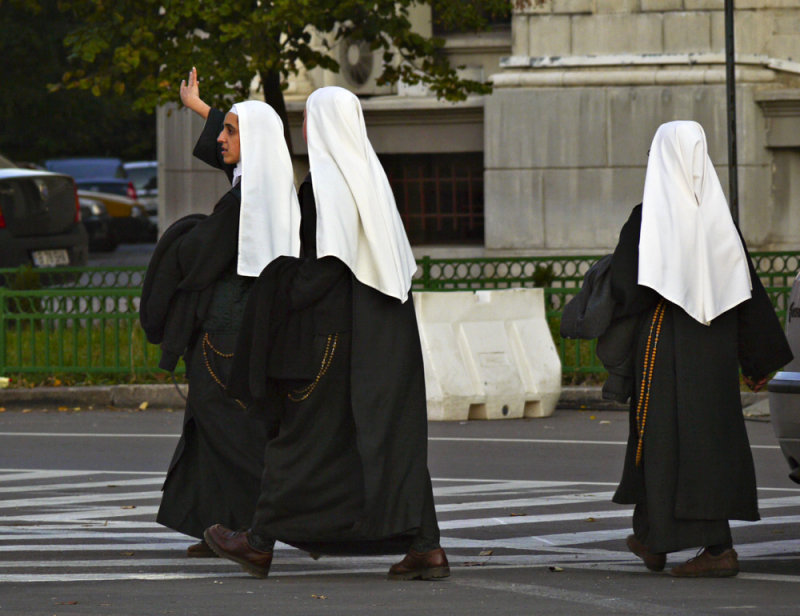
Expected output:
(524, 507)
(124, 255)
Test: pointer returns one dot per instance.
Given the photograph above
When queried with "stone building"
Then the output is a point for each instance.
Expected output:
(576, 104)
(554, 159)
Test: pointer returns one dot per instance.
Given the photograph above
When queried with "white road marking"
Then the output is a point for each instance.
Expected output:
(89, 435)
(457, 439)
(75, 523)
(75, 499)
(100, 483)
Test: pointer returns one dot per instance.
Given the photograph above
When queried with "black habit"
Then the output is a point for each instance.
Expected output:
(192, 305)
(696, 470)
(335, 367)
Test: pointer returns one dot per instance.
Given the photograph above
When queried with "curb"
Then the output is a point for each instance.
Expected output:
(167, 396)
(96, 396)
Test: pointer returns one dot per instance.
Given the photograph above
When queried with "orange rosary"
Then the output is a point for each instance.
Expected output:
(647, 375)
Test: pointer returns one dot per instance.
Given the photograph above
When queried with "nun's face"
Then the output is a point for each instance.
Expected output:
(229, 139)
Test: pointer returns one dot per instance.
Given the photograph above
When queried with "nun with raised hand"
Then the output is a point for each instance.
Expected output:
(330, 352)
(194, 295)
(681, 267)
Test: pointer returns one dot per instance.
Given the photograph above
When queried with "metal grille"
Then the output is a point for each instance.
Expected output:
(439, 197)
(86, 320)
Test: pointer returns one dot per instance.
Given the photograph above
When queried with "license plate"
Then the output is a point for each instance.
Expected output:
(49, 258)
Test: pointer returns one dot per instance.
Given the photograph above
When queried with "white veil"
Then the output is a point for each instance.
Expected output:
(357, 218)
(269, 219)
(689, 250)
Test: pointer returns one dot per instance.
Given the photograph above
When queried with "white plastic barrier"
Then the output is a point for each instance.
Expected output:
(488, 354)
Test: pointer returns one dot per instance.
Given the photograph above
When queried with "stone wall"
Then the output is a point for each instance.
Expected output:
(569, 124)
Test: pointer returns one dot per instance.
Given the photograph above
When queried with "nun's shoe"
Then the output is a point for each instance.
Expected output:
(708, 565)
(200, 550)
(653, 561)
(233, 545)
(431, 565)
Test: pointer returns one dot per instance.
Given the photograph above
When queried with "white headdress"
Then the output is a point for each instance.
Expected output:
(269, 219)
(689, 250)
(357, 218)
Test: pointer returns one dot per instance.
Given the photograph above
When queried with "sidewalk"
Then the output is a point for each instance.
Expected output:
(167, 396)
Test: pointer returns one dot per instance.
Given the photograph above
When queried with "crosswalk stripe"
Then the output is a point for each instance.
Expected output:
(70, 517)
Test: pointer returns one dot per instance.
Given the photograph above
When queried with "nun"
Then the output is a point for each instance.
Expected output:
(682, 270)
(194, 295)
(330, 351)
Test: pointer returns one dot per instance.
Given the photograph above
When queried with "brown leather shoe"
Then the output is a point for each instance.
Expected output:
(233, 545)
(431, 565)
(200, 550)
(653, 561)
(708, 565)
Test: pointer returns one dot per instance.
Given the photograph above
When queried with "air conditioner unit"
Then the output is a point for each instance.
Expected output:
(359, 68)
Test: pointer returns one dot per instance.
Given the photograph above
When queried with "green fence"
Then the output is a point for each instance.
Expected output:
(85, 320)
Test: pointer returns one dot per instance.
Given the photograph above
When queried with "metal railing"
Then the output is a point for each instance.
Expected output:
(86, 320)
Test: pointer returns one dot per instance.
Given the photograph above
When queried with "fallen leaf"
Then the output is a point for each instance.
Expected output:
(66, 603)
(555, 569)
(76, 408)
(57, 382)
(128, 507)
(318, 597)
(605, 421)
(590, 520)
(26, 410)
(61, 409)
(486, 553)
(592, 417)
(514, 515)
(2, 409)
(127, 553)
(143, 406)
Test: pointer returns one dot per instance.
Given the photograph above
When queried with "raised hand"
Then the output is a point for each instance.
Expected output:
(190, 95)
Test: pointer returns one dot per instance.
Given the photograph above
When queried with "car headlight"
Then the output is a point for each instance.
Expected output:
(92, 208)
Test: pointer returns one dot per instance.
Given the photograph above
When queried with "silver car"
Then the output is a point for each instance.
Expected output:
(784, 401)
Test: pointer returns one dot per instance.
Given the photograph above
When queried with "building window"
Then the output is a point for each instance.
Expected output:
(440, 196)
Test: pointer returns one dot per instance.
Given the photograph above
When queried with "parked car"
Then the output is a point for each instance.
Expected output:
(144, 175)
(784, 391)
(99, 225)
(40, 220)
(129, 220)
(100, 174)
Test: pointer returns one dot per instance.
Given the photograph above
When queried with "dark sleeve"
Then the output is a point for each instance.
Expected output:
(207, 149)
(629, 296)
(308, 219)
(763, 347)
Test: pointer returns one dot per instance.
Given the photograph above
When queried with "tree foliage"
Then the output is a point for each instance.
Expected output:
(38, 123)
(145, 47)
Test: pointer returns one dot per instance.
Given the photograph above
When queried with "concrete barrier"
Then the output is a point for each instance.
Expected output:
(487, 354)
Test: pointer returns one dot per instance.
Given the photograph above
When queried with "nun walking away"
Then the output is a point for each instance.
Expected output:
(682, 272)
(330, 351)
(193, 299)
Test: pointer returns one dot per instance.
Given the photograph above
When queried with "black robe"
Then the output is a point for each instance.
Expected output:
(696, 471)
(346, 467)
(192, 304)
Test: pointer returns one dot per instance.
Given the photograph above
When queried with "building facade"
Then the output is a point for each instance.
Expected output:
(553, 160)
(576, 105)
